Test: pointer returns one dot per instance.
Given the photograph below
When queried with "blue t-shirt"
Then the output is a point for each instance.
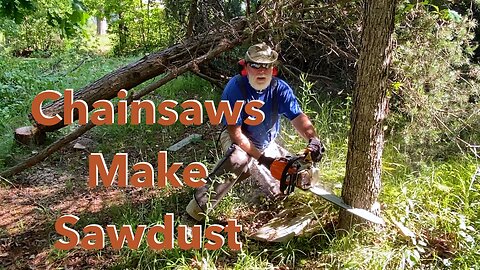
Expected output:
(261, 135)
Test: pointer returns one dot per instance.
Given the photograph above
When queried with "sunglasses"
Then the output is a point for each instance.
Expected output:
(258, 65)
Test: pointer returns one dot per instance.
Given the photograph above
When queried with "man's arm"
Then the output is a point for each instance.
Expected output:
(237, 137)
(304, 126)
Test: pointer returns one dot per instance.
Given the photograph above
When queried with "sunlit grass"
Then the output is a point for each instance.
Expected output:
(22, 79)
(438, 201)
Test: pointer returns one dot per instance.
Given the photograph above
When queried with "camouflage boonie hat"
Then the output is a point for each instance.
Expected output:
(261, 53)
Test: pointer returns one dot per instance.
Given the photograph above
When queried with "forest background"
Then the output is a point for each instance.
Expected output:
(430, 168)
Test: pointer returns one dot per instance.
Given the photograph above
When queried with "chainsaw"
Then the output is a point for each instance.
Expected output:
(299, 171)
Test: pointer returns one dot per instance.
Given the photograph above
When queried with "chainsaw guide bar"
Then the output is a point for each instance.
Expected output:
(294, 171)
(317, 190)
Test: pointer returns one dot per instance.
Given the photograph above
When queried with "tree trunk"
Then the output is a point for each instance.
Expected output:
(122, 33)
(101, 26)
(370, 107)
(150, 41)
(192, 17)
(144, 69)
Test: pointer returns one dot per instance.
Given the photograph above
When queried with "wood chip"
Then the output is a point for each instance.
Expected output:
(179, 145)
(79, 146)
(288, 224)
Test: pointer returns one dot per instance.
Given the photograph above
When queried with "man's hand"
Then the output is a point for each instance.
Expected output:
(314, 150)
(265, 161)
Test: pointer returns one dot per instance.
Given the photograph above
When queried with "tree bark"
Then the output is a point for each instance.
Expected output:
(101, 26)
(370, 106)
(192, 17)
(122, 32)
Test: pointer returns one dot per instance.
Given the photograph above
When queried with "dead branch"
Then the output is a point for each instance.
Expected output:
(6, 181)
(216, 83)
(288, 67)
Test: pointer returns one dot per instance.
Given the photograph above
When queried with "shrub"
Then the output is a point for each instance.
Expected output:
(434, 81)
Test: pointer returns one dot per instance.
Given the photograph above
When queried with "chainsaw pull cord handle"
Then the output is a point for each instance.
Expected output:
(290, 187)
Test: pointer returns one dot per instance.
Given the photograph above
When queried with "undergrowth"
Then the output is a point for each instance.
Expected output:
(437, 201)
(21, 79)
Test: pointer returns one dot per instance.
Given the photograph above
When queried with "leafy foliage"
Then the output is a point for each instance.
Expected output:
(22, 79)
(67, 15)
(16, 9)
(435, 81)
(136, 25)
(49, 27)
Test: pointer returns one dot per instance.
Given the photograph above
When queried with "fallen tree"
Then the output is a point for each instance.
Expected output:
(274, 22)
(40, 156)
(147, 68)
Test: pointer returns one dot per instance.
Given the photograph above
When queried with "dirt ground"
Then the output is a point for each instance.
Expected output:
(29, 210)
(42, 194)
(58, 186)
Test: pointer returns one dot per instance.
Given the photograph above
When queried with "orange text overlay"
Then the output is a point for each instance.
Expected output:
(104, 111)
(193, 174)
(158, 237)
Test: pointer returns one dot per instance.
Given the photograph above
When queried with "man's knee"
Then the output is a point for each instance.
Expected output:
(235, 161)
(239, 158)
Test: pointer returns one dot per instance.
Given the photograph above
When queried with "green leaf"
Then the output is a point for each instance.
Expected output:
(454, 15)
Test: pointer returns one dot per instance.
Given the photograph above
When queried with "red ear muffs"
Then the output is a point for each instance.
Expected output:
(242, 67)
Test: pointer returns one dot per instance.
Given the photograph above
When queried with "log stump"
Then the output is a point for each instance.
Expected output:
(30, 135)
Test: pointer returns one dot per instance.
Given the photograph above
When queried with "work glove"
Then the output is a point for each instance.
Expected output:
(266, 161)
(314, 151)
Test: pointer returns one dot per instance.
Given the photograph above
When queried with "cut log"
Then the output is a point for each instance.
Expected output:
(179, 145)
(29, 135)
(79, 146)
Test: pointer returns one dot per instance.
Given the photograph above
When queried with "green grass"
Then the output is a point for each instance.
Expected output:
(143, 142)
(435, 199)
(22, 79)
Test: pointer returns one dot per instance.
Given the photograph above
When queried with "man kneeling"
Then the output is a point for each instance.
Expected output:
(244, 145)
